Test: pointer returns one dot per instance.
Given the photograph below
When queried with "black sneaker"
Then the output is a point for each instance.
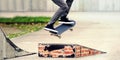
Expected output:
(50, 28)
(65, 21)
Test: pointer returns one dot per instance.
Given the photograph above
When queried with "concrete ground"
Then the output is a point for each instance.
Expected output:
(99, 31)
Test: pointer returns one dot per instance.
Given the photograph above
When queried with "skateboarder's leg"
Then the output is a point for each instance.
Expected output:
(64, 18)
(61, 11)
(69, 3)
(63, 7)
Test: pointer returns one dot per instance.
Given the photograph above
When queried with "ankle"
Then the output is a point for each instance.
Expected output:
(64, 19)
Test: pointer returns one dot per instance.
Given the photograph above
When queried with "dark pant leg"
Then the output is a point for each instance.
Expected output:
(61, 11)
(69, 3)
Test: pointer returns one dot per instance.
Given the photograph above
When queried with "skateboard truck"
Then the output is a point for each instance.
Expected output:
(52, 34)
(55, 34)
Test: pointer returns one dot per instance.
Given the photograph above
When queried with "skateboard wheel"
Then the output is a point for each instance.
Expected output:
(59, 36)
(71, 29)
(51, 34)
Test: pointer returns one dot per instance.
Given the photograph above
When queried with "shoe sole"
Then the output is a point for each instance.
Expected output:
(47, 29)
(66, 22)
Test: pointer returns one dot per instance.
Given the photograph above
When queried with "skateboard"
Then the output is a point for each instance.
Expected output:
(62, 28)
(65, 51)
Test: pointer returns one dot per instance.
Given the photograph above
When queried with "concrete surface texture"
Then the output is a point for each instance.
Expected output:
(99, 31)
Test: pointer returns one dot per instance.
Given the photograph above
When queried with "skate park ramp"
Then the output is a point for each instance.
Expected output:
(9, 50)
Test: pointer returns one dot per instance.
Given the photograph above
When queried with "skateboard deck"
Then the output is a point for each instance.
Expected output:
(65, 50)
(62, 28)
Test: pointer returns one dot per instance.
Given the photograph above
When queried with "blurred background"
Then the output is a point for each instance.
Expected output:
(49, 6)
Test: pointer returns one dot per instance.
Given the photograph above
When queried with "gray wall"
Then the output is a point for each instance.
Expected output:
(47, 5)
